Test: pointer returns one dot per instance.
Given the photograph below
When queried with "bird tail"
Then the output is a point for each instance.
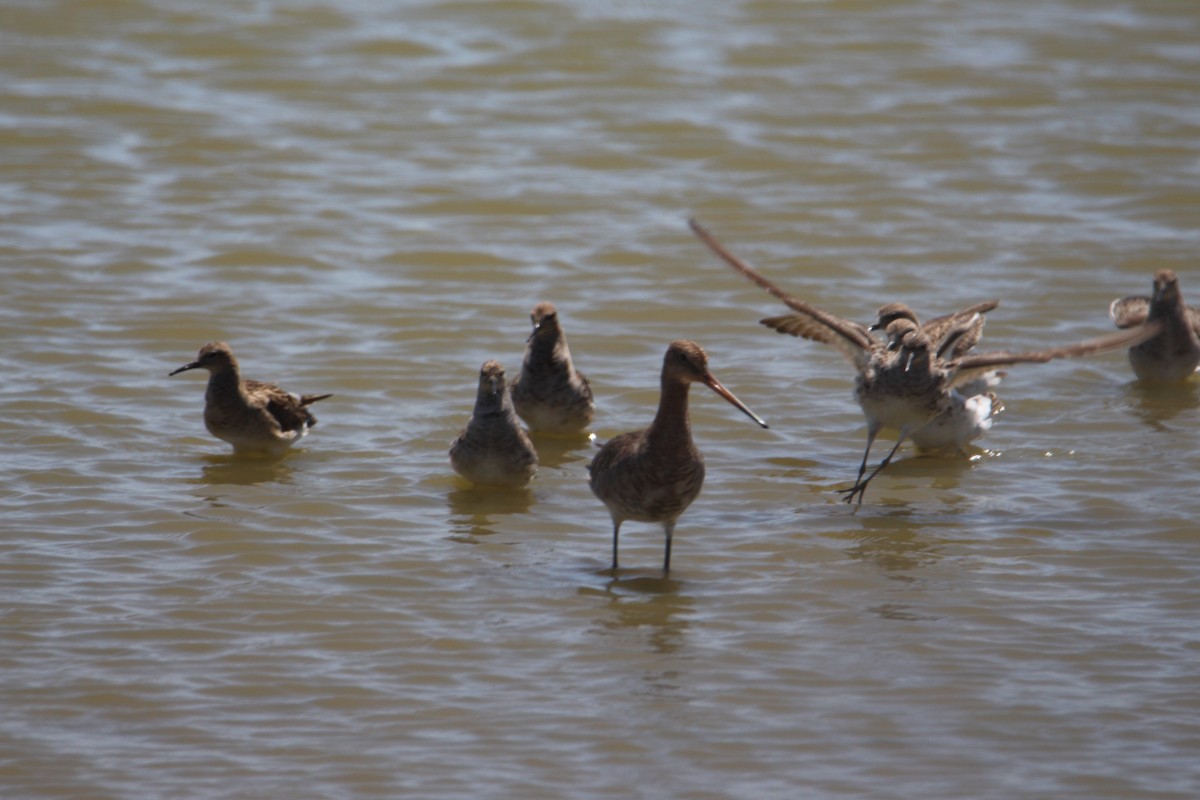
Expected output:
(309, 399)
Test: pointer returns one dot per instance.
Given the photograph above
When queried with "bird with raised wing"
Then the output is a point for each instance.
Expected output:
(1173, 354)
(906, 384)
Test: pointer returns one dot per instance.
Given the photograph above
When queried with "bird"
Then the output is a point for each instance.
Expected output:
(550, 394)
(493, 449)
(972, 406)
(1174, 354)
(908, 382)
(654, 474)
(253, 416)
(937, 329)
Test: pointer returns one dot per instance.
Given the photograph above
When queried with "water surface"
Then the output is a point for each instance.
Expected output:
(367, 199)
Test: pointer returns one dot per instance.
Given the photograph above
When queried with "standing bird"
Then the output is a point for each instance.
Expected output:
(653, 475)
(905, 384)
(250, 415)
(493, 449)
(1174, 354)
(550, 394)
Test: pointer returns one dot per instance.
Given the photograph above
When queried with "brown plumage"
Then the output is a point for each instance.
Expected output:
(250, 415)
(904, 384)
(1174, 354)
(493, 449)
(550, 394)
(966, 325)
(653, 475)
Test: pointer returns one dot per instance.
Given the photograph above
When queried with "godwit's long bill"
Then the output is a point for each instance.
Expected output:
(654, 474)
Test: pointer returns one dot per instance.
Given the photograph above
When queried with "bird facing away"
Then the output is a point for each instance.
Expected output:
(493, 449)
(938, 329)
(550, 394)
(250, 415)
(653, 475)
(972, 406)
(905, 384)
(1174, 354)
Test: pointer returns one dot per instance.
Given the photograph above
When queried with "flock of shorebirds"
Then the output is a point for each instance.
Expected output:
(922, 379)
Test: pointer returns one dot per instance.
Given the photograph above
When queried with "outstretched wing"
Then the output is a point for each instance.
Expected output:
(970, 367)
(965, 325)
(853, 336)
(1129, 311)
(805, 327)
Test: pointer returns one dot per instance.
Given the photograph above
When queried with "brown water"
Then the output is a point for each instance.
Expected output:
(367, 199)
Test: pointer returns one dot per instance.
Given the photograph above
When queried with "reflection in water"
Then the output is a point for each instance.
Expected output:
(472, 508)
(898, 612)
(898, 552)
(940, 471)
(898, 548)
(649, 605)
(1155, 403)
(244, 471)
(646, 615)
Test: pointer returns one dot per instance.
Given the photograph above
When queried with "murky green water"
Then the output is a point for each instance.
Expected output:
(367, 199)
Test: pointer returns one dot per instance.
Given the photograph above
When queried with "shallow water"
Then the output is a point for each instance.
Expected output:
(367, 199)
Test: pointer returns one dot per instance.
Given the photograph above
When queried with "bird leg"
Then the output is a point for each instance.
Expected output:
(669, 529)
(616, 533)
(860, 487)
(872, 432)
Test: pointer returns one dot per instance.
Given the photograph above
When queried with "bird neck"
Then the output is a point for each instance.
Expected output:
(1168, 307)
(550, 348)
(497, 403)
(224, 385)
(672, 421)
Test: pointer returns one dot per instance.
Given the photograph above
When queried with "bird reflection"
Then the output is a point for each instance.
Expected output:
(472, 508)
(896, 544)
(942, 470)
(240, 471)
(1156, 403)
(648, 606)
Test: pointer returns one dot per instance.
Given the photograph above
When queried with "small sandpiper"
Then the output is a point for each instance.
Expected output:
(493, 449)
(250, 415)
(905, 384)
(1174, 354)
(550, 394)
(654, 474)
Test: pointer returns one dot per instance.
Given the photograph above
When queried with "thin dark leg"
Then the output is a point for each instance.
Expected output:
(616, 533)
(860, 488)
(872, 432)
(669, 528)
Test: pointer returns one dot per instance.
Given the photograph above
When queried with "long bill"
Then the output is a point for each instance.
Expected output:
(716, 386)
(184, 368)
